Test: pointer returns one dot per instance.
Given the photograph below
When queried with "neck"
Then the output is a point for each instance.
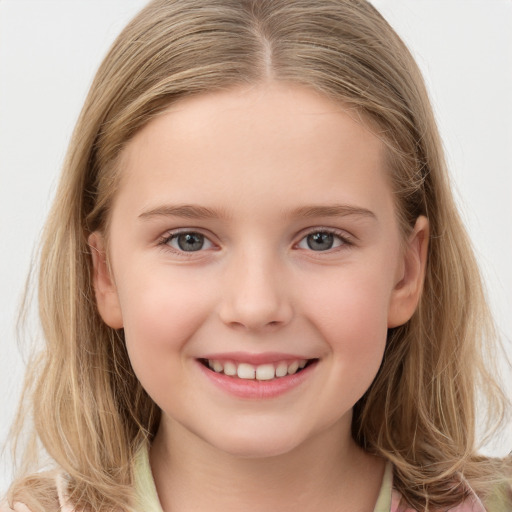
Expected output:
(328, 472)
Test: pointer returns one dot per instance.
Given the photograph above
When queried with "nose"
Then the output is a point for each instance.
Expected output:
(255, 295)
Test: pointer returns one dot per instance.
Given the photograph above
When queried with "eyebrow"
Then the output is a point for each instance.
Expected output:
(186, 211)
(334, 210)
(197, 212)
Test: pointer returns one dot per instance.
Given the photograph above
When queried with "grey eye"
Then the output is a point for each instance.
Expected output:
(321, 241)
(189, 242)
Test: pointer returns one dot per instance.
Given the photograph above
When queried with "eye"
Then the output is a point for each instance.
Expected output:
(322, 240)
(188, 241)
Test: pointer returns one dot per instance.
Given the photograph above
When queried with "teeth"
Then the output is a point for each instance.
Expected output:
(246, 371)
(261, 372)
(293, 368)
(281, 370)
(230, 368)
(217, 367)
(265, 372)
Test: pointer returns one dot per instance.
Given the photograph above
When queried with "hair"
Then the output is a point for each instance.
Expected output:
(89, 411)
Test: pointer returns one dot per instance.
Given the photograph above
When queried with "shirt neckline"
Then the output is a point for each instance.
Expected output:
(148, 501)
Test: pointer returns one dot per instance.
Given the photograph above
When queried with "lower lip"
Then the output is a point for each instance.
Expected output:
(257, 389)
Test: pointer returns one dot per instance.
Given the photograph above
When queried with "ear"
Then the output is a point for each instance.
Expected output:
(407, 291)
(105, 289)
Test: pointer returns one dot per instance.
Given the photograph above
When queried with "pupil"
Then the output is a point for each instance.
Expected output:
(190, 241)
(320, 241)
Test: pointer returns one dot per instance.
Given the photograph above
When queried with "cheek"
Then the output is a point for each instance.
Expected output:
(352, 318)
(351, 302)
(161, 312)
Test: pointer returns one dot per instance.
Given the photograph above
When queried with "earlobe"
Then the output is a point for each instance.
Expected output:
(105, 289)
(407, 292)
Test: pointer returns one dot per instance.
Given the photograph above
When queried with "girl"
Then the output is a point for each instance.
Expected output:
(255, 288)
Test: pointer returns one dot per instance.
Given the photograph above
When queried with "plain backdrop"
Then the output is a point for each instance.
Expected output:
(50, 49)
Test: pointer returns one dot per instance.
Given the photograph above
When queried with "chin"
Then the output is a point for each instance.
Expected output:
(256, 446)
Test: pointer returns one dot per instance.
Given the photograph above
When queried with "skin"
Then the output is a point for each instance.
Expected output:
(258, 157)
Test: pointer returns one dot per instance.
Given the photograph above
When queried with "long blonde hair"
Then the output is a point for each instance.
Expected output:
(89, 411)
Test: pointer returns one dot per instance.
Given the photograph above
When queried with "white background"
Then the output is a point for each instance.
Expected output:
(50, 49)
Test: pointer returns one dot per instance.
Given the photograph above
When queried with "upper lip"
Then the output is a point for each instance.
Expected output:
(255, 359)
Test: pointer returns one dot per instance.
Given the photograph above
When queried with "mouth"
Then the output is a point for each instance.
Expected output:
(261, 372)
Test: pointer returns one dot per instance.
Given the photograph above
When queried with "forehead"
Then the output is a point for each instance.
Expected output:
(275, 143)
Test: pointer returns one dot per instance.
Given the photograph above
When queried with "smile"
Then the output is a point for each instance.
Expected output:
(256, 376)
(261, 372)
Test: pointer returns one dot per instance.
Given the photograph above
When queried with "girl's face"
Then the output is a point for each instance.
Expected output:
(254, 232)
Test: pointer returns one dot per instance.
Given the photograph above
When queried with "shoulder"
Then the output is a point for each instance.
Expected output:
(470, 504)
(18, 507)
(500, 500)
(59, 500)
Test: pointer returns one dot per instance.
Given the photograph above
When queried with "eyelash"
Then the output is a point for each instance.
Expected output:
(345, 239)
